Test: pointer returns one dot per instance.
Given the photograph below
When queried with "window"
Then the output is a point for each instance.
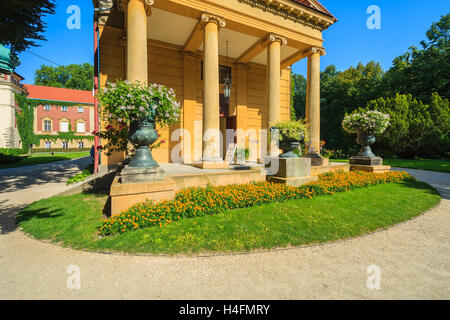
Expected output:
(65, 145)
(80, 127)
(47, 107)
(80, 109)
(64, 108)
(64, 126)
(48, 144)
(81, 145)
(47, 125)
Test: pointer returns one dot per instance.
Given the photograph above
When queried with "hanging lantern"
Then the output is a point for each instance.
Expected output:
(227, 88)
(227, 81)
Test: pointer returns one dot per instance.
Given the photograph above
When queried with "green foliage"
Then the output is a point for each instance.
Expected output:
(11, 151)
(21, 22)
(87, 172)
(421, 72)
(73, 76)
(417, 129)
(291, 130)
(8, 158)
(242, 153)
(25, 122)
(298, 96)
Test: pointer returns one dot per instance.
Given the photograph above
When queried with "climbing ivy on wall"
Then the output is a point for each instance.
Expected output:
(25, 120)
(25, 123)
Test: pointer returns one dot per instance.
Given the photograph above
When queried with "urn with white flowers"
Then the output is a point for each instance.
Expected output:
(366, 125)
(133, 111)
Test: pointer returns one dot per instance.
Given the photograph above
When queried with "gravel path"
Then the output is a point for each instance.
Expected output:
(413, 258)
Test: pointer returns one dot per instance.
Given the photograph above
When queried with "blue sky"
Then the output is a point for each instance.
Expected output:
(349, 41)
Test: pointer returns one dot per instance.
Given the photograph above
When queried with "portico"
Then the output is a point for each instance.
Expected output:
(193, 45)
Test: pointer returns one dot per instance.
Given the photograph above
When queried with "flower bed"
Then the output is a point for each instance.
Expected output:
(199, 201)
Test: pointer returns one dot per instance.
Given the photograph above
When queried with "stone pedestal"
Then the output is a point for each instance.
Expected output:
(369, 168)
(368, 164)
(366, 161)
(211, 165)
(125, 195)
(292, 171)
(318, 161)
(136, 174)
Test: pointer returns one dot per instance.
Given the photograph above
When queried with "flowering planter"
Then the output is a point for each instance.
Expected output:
(143, 134)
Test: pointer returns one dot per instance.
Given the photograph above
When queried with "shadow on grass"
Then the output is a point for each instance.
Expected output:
(42, 213)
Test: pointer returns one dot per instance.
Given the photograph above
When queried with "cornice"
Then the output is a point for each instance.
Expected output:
(292, 13)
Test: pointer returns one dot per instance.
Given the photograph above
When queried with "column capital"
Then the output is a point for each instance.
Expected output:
(276, 37)
(189, 54)
(209, 17)
(318, 50)
(147, 5)
(243, 66)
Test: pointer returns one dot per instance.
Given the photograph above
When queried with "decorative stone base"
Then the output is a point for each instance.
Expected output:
(136, 174)
(295, 182)
(211, 165)
(318, 161)
(366, 161)
(291, 167)
(291, 171)
(316, 171)
(367, 168)
(125, 195)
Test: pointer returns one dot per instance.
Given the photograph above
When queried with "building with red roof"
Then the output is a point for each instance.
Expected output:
(63, 118)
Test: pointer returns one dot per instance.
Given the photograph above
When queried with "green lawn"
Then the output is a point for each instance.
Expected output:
(421, 164)
(40, 158)
(73, 220)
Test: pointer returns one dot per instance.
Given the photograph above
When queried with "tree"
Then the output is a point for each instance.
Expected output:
(74, 76)
(298, 94)
(424, 71)
(343, 92)
(416, 129)
(21, 22)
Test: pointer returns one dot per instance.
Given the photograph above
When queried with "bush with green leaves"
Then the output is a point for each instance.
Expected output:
(417, 129)
(291, 130)
(87, 172)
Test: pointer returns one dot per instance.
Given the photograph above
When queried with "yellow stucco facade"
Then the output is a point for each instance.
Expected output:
(181, 44)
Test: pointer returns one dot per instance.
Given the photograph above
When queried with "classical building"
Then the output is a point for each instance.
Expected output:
(195, 46)
(61, 113)
(9, 86)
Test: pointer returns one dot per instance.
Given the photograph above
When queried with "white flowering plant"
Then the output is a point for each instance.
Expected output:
(123, 102)
(369, 122)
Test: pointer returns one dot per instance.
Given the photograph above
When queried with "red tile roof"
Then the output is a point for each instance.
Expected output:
(320, 8)
(59, 94)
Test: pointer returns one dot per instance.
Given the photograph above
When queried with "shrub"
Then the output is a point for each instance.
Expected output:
(417, 129)
(43, 150)
(8, 159)
(200, 201)
(11, 151)
(88, 171)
